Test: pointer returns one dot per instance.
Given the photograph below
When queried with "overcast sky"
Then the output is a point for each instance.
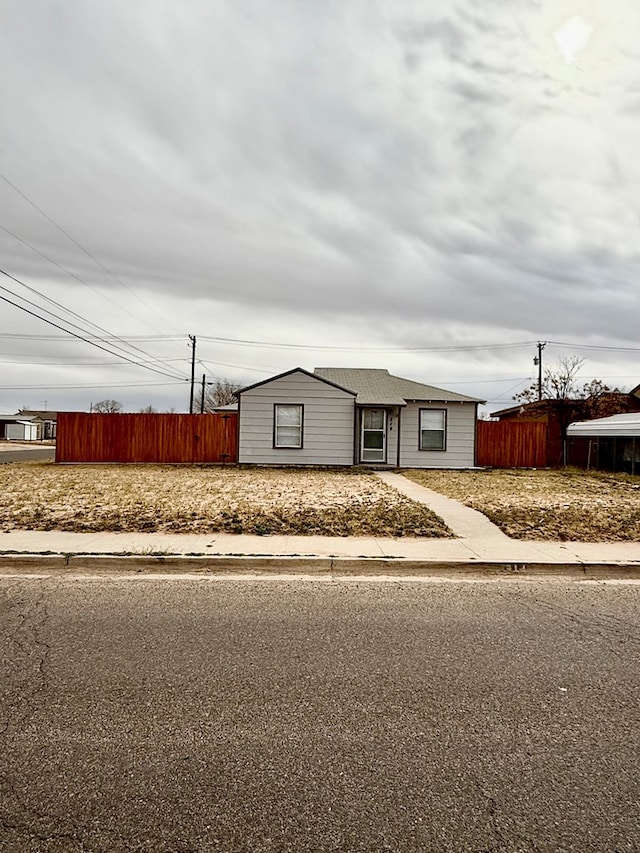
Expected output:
(427, 187)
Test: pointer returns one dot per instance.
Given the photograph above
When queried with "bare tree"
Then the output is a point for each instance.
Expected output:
(219, 393)
(107, 406)
(567, 401)
(148, 410)
(559, 383)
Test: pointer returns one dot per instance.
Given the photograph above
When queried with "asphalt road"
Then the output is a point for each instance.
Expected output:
(184, 715)
(34, 454)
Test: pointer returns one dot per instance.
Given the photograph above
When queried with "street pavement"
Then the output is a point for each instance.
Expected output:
(20, 453)
(182, 715)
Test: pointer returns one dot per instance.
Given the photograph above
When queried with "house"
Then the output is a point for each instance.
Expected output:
(558, 414)
(18, 428)
(613, 443)
(45, 421)
(354, 416)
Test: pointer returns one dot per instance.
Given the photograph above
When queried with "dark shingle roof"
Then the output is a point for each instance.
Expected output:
(376, 387)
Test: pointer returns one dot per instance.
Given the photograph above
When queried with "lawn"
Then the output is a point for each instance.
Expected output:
(148, 498)
(560, 505)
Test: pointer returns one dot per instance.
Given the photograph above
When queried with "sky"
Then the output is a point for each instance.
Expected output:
(431, 188)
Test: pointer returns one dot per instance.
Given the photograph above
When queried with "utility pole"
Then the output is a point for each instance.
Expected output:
(204, 376)
(538, 360)
(192, 338)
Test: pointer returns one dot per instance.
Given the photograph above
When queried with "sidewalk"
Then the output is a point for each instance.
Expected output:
(479, 547)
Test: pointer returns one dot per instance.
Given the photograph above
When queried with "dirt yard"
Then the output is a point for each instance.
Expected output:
(88, 498)
(554, 505)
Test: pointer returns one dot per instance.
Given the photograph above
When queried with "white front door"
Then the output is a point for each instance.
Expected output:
(373, 436)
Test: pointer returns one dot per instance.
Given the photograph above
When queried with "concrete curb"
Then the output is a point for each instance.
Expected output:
(111, 564)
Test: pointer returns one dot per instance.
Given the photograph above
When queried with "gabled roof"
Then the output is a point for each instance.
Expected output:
(627, 424)
(376, 387)
(288, 373)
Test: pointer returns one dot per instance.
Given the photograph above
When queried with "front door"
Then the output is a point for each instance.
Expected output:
(373, 439)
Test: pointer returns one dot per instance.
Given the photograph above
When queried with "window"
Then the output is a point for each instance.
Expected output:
(433, 427)
(287, 426)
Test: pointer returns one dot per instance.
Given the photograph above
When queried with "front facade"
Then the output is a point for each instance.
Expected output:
(45, 421)
(340, 416)
(295, 419)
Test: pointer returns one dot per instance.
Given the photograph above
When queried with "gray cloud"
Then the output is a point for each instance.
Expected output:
(400, 173)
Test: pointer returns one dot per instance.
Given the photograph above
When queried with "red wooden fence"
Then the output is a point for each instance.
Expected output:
(147, 438)
(506, 444)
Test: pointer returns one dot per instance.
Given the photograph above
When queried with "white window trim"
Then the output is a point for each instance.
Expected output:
(276, 444)
(443, 431)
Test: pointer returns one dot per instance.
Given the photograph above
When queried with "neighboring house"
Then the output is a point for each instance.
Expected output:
(613, 443)
(46, 422)
(18, 428)
(559, 414)
(347, 416)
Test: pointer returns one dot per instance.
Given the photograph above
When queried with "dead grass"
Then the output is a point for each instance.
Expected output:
(567, 505)
(91, 498)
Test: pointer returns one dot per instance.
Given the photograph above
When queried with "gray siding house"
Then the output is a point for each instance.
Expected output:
(354, 416)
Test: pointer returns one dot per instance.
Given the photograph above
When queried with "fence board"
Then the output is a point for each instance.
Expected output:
(184, 439)
(505, 444)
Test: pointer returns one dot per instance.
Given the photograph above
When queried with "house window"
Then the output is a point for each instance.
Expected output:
(287, 425)
(433, 428)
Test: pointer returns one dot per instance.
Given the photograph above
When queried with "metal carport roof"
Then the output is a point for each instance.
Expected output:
(625, 425)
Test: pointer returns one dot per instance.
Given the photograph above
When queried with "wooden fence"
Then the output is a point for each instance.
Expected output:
(506, 444)
(147, 438)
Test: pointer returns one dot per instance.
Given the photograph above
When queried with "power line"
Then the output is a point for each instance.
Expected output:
(81, 386)
(80, 337)
(83, 249)
(595, 347)
(50, 363)
(325, 347)
(275, 344)
(253, 369)
(71, 313)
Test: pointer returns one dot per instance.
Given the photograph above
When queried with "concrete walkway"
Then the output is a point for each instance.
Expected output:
(463, 522)
(479, 547)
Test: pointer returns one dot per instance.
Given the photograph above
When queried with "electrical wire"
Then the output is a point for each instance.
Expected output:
(83, 249)
(594, 347)
(325, 347)
(85, 339)
(82, 386)
(50, 363)
(73, 314)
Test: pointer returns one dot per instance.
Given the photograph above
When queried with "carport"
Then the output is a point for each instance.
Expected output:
(17, 428)
(614, 442)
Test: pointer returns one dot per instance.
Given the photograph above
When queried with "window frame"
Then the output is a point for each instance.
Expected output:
(300, 407)
(444, 431)
(381, 430)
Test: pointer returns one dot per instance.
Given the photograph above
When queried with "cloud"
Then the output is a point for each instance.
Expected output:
(395, 172)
